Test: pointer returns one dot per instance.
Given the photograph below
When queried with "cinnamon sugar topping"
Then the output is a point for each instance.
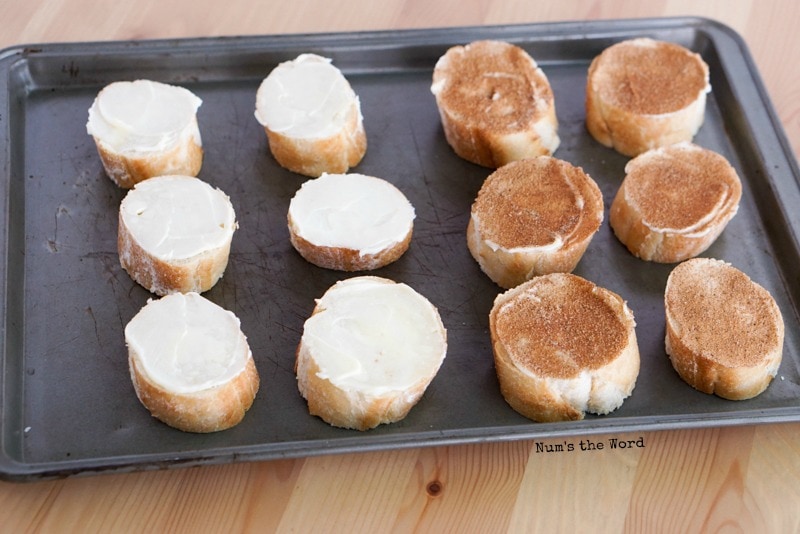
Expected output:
(650, 77)
(721, 314)
(495, 86)
(681, 187)
(538, 202)
(560, 325)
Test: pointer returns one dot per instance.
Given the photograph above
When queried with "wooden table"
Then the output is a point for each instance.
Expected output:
(735, 478)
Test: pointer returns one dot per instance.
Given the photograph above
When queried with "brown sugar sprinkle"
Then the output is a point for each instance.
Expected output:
(561, 325)
(721, 314)
(681, 186)
(495, 85)
(535, 202)
(650, 77)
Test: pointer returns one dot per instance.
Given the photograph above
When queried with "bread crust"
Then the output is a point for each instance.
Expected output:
(705, 301)
(474, 105)
(643, 94)
(198, 273)
(317, 155)
(593, 379)
(351, 409)
(523, 198)
(343, 258)
(209, 410)
(674, 202)
(355, 408)
(128, 169)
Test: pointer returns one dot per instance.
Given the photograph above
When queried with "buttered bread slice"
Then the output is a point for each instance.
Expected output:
(368, 352)
(674, 202)
(563, 347)
(145, 128)
(533, 217)
(724, 331)
(643, 94)
(350, 222)
(312, 117)
(190, 363)
(175, 234)
(495, 103)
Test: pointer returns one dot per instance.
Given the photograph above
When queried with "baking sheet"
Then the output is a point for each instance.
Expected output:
(68, 405)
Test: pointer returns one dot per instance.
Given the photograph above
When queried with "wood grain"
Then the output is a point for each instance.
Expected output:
(744, 479)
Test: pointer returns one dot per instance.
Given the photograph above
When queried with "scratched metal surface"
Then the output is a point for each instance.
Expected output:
(67, 402)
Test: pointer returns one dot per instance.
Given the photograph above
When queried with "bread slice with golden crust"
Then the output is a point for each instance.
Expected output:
(724, 332)
(563, 347)
(531, 217)
(175, 234)
(350, 222)
(312, 117)
(143, 129)
(190, 363)
(643, 94)
(368, 352)
(495, 103)
(674, 202)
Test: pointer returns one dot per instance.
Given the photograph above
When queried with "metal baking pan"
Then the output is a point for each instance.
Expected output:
(68, 405)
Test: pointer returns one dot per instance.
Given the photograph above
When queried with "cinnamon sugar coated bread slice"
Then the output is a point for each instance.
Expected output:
(368, 352)
(674, 202)
(350, 222)
(175, 234)
(531, 217)
(724, 331)
(642, 94)
(563, 347)
(145, 128)
(312, 117)
(190, 363)
(495, 103)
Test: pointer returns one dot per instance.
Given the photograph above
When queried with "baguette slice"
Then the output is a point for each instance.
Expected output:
(190, 363)
(674, 202)
(350, 222)
(144, 129)
(533, 217)
(368, 352)
(724, 331)
(643, 94)
(563, 347)
(312, 117)
(495, 103)
(175, 234)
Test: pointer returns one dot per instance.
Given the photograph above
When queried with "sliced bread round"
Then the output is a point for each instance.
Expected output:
(563, 347)
(368, 352)
(190, 363)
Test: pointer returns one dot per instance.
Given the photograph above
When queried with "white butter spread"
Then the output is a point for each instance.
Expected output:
(306, 98)
(375, 336)
(351, 211)
(185, 343)
(178, 217)
(143, 116)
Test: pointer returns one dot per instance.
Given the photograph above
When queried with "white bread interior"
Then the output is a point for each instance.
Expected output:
(135, 141)
(643, 94)
(350, 222)
(208, 225)
(495, 103)
(532, 217)
(312, 117)
(674, 202)
(724, 332)
(184, 329)
(368, 352)
(563, 347)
